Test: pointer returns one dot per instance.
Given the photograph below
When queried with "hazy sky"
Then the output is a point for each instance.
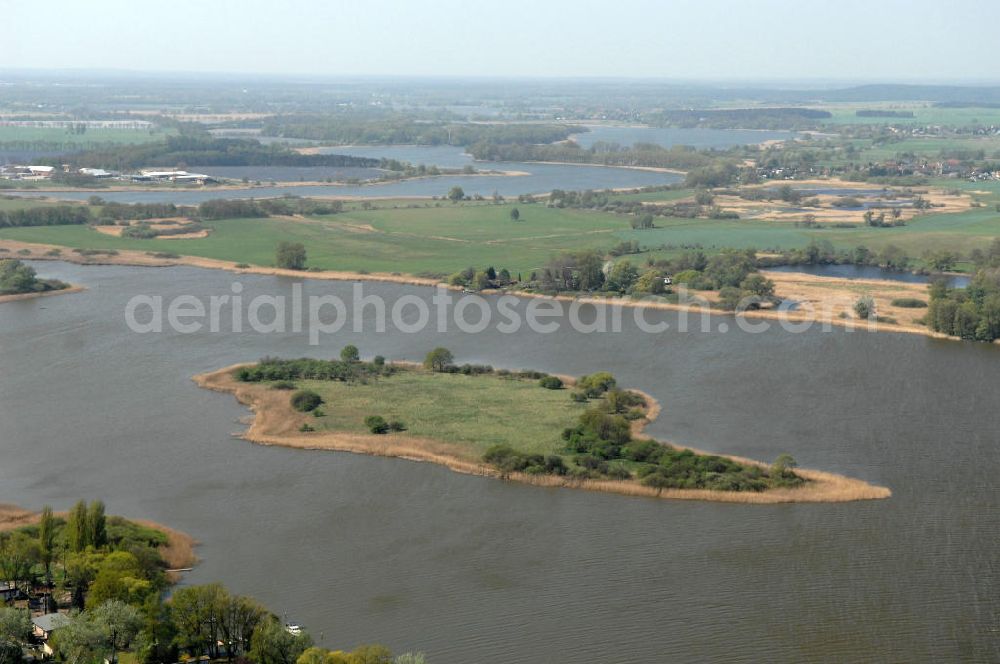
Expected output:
(691, 39)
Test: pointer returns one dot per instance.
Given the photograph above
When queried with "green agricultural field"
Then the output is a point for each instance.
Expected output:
(957, 232)
(413, 241)
(923, 114)
(478, 411)
(19, 203)
(90, 138)
(931, 147)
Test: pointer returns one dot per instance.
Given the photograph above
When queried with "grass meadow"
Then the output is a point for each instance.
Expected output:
(478, 411)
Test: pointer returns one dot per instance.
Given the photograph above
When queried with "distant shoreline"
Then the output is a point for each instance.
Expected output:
(267, 405)
(140, 259)
(15, 297)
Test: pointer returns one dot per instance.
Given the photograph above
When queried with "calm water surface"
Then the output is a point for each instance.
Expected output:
(361, 549)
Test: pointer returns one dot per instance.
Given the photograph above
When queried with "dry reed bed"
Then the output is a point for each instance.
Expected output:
(276, 423)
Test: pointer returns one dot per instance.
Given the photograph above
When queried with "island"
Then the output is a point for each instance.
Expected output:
(524, 426)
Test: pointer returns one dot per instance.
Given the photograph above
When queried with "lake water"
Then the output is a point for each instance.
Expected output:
(289, 173)
(361, 549)
(869, 272)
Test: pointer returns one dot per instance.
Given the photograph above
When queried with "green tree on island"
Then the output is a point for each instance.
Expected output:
(439, 359)
(16, 278)
(784, 465)
(291, 256)
(456, 194)
(865, 307)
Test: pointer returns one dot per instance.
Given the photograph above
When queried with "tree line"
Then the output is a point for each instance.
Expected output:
(399, 129)
(106, 212)
(605, 154)
(740, 118)
(45, 215)
(971, 313)
(200, 150)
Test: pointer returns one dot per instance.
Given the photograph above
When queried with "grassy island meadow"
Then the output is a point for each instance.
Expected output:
(525, 426)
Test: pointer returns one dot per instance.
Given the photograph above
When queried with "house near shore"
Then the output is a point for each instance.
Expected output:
(96, 173)
(17, 172)
(43, 626)
(177, 176)
(9, 592)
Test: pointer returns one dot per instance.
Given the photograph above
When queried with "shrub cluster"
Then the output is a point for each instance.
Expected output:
(275, 369)
(305, 401)
(508, 460)
(601, 446)
(909, 303)
(379, 425)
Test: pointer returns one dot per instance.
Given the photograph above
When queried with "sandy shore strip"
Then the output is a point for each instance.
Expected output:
(31, 296)
(178, 553)
(276, 423)
(825, 303)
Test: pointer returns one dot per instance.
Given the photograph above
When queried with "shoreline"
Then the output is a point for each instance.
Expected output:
(17, 297)
(653, 169)
(823, 486)
(134, 258)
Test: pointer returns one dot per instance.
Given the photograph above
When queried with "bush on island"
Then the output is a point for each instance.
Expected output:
(377, 424)
(551, 383)
(306, 400)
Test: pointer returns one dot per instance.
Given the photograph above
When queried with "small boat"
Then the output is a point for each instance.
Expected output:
(293, 629)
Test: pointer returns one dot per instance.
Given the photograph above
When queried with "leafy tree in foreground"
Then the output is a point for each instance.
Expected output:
(15, 630)
(271, 643)
(76, 528)
(47, 539)
(97, 530)
(120, 624)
